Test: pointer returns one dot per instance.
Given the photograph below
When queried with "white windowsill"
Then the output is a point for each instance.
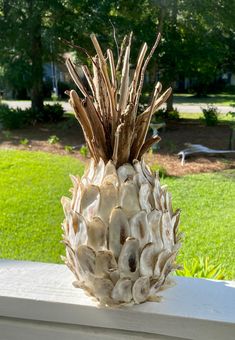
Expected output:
(38, 301)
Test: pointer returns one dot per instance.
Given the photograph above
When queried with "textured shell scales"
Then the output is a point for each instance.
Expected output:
(120, 232)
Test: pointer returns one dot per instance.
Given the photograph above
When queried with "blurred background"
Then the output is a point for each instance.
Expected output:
(196, 54)
(41, 143)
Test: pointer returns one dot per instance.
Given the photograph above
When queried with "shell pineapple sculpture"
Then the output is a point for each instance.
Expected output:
(120, 231)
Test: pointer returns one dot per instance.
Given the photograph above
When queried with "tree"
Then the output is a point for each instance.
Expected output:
(21, 23)
(197, 37)
(198, 41)
(31, 37)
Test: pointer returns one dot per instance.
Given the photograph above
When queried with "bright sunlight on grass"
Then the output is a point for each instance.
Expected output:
(217, 99)
(207, 218)
(222, 118)
(31, 187)
(32, 184)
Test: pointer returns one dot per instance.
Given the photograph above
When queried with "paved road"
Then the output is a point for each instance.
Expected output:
(187, 108)
(24, 104)
(197, 108)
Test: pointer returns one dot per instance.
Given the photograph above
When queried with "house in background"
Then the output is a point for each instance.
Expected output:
(56, 77)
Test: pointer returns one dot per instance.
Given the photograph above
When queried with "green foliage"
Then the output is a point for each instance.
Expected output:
(53, 139)
(14, 118)
(231, 113)
(54, 97)
(7, 134)
(84, 151)
(160, 169)
(201, 267)
(33, 33)
(68, 148)
(50, 113)
(199, 29)
(17, 118)
(211, 115)
(163, 114)
(24, 141)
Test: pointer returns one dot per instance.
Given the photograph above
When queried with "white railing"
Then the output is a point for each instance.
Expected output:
(38, 301)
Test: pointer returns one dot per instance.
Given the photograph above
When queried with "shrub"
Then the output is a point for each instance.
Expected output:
(18, 118)
(50, 113)
(68, 148)
(53, 139)
(24, 141)
(202, 268)
(163, 114)
(84, 151)
(14, 118)
(211, 115)
(231, 113)
(7, 134)
(54, 97)
(160, 169)
(4, 107)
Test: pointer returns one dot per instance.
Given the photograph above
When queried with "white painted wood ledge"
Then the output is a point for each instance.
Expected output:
(38, 301)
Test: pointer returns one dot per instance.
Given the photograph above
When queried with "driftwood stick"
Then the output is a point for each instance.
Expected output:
(81, 113)
(140, 139)
(97, 88)
(97, 127)
(81, 116)
(144, 69)
(157, 104)
(125, 79)
(137, 71)
(75, 77)
(89, 79)
(104, 71)
(124, 42)
(98, 49)
(126, 134)
(82, 49)
(112, 68)
(116, 144)
(115, 37)
(88, 76)
(114, 92)
(147, 145)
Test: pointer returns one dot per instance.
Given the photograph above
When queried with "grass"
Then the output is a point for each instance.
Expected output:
(223, 99)
(32, 184)
(222, 118)
(207, 218)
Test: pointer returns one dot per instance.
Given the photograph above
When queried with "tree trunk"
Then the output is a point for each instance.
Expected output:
(6, 8)
(37, 67)
(161, 16)
(170, 101)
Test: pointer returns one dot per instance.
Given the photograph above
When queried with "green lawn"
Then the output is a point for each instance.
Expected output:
(207, 202)
(222, 118)
(219, 99)
(32, 184)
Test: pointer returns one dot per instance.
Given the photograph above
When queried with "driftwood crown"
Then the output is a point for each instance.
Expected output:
(120, 231)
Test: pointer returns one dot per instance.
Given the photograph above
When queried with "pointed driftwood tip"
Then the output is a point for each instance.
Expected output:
(73, 94)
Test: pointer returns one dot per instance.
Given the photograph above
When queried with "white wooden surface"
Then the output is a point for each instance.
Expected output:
(38, 301)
